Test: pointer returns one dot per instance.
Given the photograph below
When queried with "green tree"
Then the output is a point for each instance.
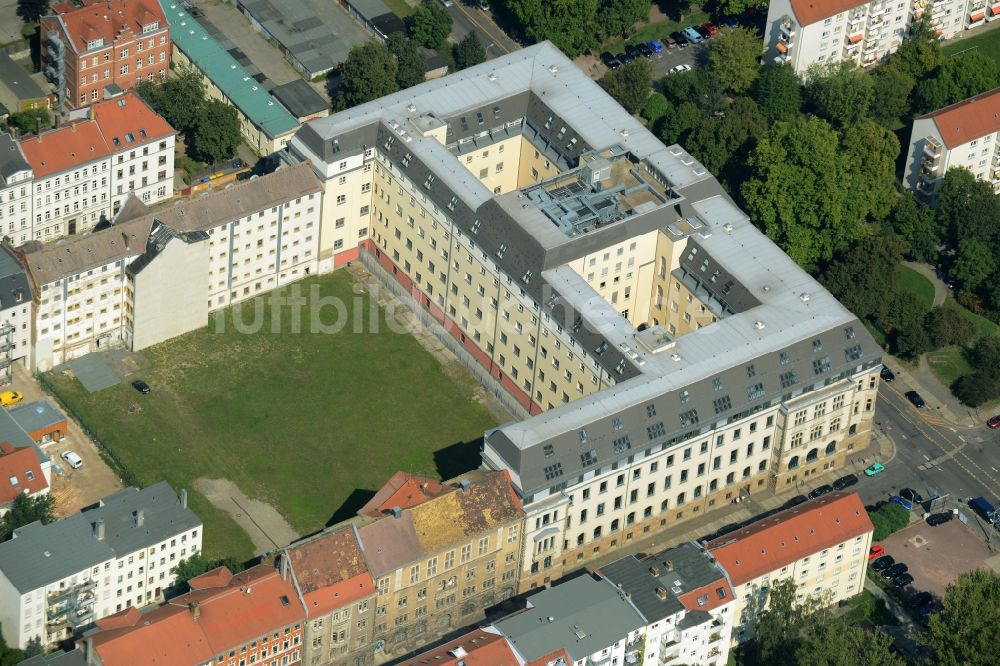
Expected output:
(797, 192)
(410, 63)
(734, 57)
(9, 656)
(217, 134)
(869, 152)
(778, 92)
(26, 122)
(920, 53)
(678, 121)
(780, 625)
(615, 17)
(963, 632)
(917, 225)
(469, 51)
(974, 262)
(910, 341)
(180, 99)
(368, 73)
(736, 7)
(24, 510)
(722, 143)
(630, 84)
(30, 11)
(976, 388)
(959, 77)
(570, 24)
(198, 564)
(841, 92)
(863, 277)
(891, 94)
(656, 107)
(967, 208)
(946, 326)
(430, 24)
(834, 642)
(888, 519)
(701, 87)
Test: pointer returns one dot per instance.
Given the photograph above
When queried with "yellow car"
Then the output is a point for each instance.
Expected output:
(10, 398)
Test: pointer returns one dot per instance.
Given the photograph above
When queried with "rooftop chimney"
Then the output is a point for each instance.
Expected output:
(125, 241)
(38, 125)
(195, 609)
(464, 485)
(99, 529)
(140, 517)
(184, 492)
(661, 592)
(397, 512)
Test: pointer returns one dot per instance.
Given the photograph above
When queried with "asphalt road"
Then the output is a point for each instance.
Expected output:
(469, 17)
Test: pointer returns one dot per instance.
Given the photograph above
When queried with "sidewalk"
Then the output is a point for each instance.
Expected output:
(941, 404)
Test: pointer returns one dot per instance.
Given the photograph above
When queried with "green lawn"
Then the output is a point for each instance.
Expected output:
(948, 364)
(400, 8)
(983, 325)
(987, 43)
(914, 282)
(866, 607)
(657, 30)
(307, 422)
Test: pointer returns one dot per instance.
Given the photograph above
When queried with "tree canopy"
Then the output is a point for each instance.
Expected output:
(30, 11)
(410, 64)
(27, 121)
(734, 57)
(217, 134)
(863, 277)
(630, 84)
(778, 92)
(179, 98)
(834, 642)
(368, 73)
(959, 77)
(841, 92)
(24, 510)
(576, 25)
(469, 51)
(430, 24)
(964, 631)
(9, 656)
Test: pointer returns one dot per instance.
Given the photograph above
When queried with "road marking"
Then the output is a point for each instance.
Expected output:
(961, 438)
(482, 27)
(926, 457)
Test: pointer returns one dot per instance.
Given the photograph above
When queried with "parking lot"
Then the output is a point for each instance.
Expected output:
(936, 555)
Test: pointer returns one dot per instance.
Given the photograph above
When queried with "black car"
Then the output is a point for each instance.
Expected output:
(902, 580)
(610, 61)
(845, 482)
(141, 386)
(819, 492)
(646, 50)
(887, 375)
(896, 570)
(915, 398)
(920, 599)
(680, 38)
(911, 495)
(936, 519)
(883, 562)
(795, 501)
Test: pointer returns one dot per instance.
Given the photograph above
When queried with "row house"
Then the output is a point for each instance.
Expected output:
(15, 314)
(964, 135)
(15, 190)
(57, 579)
(91, 46)
(227, 619)
(84, 171)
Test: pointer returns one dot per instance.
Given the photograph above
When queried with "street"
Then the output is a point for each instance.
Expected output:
(469, 17)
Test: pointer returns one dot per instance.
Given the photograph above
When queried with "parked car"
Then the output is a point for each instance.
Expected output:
(669, 42)
(693, 35)
(994, 422)
(897, 569)
(633, 51)
(705, 34)
(731, 22)
(902, 581)
(74, 460)
(905, 503)
(984, 509)
(819, 492)
(795, 501)
(11, 398)
(681, 39)
(845, 482)
(920, 599)
(644, 49)
(141, 386)
(875, 469)
(887, 375)
(677, 69)
(911, 495)
(875, 552)
(936, 519)
(711, 29)
(915, 398)
(655, 45)
(610, 61)
(883, 562)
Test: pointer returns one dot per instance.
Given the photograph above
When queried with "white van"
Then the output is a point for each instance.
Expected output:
(74, 460)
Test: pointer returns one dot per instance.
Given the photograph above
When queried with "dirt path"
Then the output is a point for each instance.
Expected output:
(262, 523)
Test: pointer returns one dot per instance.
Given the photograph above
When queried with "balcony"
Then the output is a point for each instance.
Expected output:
(787, 30)
(81, 617)
(932, 148)
(58, 611)
(977, 18)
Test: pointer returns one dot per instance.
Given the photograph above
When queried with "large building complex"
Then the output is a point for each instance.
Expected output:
(965, 135)
(663, 355)
(821, 545)
(88, 46)
(60, 577)
(804, 32)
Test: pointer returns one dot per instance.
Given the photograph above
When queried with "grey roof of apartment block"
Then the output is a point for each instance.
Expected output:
(71, 658)
(12, 158)
(15, 288)
(36, 415)
(41, 554)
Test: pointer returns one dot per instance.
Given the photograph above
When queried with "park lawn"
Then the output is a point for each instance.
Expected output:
(304, 421)
(867, 608)
(987, 43)
(915, 283)
(657, 30)
(983, 325)
(400, 8)
(948, 364)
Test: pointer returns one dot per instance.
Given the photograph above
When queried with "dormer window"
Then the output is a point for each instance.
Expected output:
(151, 27)
(95, 43)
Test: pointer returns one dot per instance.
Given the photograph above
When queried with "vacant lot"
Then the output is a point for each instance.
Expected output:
(310, 423)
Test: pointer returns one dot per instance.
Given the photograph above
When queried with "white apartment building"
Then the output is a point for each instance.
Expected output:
(84, 171)
(152, 276)
(15, 313)
(58, 578)
(15, 191)
(965, 135)
(822, 545)
(803, 33)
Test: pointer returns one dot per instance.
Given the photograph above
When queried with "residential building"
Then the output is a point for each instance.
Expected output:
(376, 17)
(58, 578)
(15, 191)
(84, 170)
(22, 470)
(264, 123)
(685, 601)
(89, 46)
(661, 355)
(963, 135)
(40, 420)
(590, 619)
(225, 620)
(15, 314)
(439, 562)
(334, 586)
(803, 33)
(151, 276)
(18, 89)
(72, 658)
(821, 545)
(479, 647)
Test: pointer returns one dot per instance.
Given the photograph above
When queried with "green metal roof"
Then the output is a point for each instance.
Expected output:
(228, 75)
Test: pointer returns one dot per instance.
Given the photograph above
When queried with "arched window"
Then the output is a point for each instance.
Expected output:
(793, 463)
(813, 455)
(831, 448)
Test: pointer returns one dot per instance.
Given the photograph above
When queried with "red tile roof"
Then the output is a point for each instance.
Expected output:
(788, 536)
(106, 19)
(15, 466)
(550, 658)
(969, 119)
(128, 115)
(253, 604)
(476, 648)
(402, 490)
(810, 11)
(330, 571)
(690, 598)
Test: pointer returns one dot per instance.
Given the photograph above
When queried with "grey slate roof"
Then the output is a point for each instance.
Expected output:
(298, 29)
(16, 79)
(12, 158)
(41, 554)
(14, 286)
(36, 415)
(71, 658)
(583, 615)
(12, 431)
(300, 98)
